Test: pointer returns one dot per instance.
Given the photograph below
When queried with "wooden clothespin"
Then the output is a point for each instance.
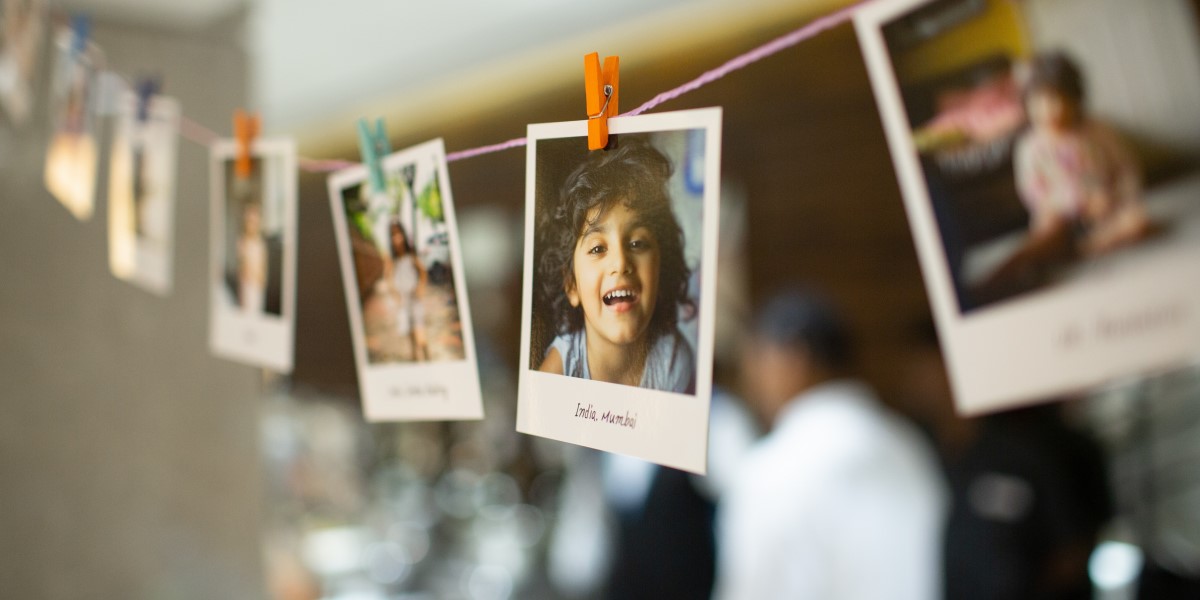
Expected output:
(374, 146)
(146, 88)
(601, 86)
(245, 129)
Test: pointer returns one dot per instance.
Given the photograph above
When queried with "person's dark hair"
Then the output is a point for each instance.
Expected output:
(803, 319)
(1056, 71)
(393, 227)
(634, 174)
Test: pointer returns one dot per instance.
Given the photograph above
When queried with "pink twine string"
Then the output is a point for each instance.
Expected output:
(197, 133)
(461, 154)
(744, 60)
(322, 165)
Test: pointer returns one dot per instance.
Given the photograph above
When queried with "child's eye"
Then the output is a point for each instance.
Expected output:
(639, 244)
(596, 249)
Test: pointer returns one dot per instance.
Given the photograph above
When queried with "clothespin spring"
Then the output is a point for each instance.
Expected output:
(608, 92)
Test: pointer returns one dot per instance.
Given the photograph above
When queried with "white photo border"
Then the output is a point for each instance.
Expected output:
(1043, 344)
(427, 391)
(262, 340)
(670, 429)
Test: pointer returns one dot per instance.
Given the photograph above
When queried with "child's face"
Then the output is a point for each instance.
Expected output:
(1049, 109)
(252, 220)
(616, 265)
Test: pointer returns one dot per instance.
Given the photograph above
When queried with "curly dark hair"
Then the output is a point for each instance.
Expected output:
(1056, 71)
(634, 174)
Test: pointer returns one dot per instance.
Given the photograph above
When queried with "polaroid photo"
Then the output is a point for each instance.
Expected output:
(1054, 200)
(141, 191)
(22, 25)
(414, 346)
(73, 151)
(620, 286)
(252, 273)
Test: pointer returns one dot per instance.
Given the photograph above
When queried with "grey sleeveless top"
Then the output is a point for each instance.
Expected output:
(670, 366)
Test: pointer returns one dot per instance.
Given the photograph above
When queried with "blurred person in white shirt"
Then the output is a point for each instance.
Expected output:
(842, 499)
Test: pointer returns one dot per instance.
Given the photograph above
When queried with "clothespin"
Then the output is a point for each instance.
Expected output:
(245, 129)
(374, 146)
(600, 86)
(146, 88)
(81, 29)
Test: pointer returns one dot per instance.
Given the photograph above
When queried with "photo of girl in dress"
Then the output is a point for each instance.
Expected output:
(403, 269)
(253, 240)
(616, 275)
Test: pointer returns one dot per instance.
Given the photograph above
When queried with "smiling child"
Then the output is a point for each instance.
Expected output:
(614, 272)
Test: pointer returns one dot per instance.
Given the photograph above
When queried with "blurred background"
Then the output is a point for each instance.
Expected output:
(136, 465)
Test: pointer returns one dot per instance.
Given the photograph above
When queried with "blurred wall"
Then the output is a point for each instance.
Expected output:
(128, 455)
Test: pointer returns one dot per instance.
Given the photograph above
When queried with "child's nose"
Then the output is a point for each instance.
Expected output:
(620, 261)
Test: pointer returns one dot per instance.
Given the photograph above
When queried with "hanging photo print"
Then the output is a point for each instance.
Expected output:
(620, 280)
(22, 24)
(71, 158)
(405, 292)
(253, 253)
(141, 191)
(1053, 197)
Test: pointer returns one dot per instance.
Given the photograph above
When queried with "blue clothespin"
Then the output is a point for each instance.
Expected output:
(81, 29)
(374, 146)
(146, 88)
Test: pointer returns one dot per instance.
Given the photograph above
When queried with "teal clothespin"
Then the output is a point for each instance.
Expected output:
(374, 146)
(146, 88)
(81, 28)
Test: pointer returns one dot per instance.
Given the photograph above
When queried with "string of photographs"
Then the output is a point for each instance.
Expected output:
(1047, 275)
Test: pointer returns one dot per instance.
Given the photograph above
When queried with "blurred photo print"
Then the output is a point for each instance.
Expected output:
(253, 253)
(620, 284)
(405, 289)
(71, 158)
(22, 25)
(1052, 181)
(141, 191)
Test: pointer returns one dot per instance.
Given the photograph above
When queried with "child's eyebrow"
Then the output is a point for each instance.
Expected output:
(594, 228)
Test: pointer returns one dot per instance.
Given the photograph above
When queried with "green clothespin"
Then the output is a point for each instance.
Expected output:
(374, 146)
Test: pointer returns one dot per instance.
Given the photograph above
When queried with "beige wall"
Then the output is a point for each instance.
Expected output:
(128, 455)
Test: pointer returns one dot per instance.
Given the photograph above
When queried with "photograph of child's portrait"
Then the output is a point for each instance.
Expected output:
(72, 153)
(141, 191)
(22, 23)
(402, 266)
(1047, 159)
(253, 253)
(254, 230)
(620, 271)
(616, 277)
(406, 295)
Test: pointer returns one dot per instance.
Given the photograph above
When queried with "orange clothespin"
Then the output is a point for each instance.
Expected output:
(601, 87)
(245, 129)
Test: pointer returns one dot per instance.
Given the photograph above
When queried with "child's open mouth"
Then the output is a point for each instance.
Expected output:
(620, 298)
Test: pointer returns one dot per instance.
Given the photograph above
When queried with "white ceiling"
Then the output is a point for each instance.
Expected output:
(313, 57)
